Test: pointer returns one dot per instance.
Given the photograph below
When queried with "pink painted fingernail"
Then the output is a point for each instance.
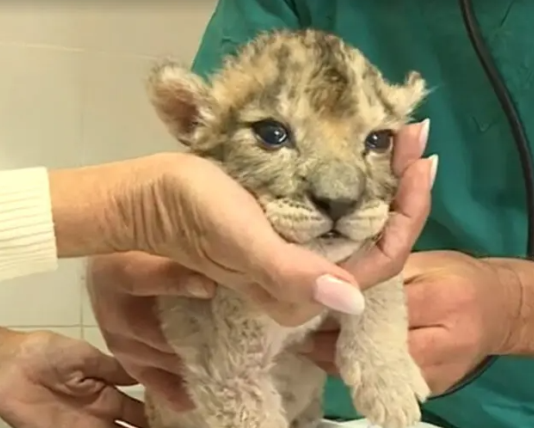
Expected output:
(338, 295)
(434, 161)
(423, 133)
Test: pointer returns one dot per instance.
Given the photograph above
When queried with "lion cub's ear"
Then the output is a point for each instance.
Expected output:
(181, 99)
(406, 97)
(411, 93)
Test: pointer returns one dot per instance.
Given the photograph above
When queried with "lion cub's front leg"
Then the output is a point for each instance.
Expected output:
(374, 360)
(227, 347)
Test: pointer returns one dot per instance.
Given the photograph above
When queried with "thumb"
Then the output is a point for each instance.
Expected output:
(387, 257)
(293, 274)
(106, 368)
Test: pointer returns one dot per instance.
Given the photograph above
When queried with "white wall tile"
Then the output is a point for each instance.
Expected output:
(51, 299)
(88, 317)
(118, 120)
(34, 22)
(157, 28)
(72, 332)
(40, 107)
(94, 337)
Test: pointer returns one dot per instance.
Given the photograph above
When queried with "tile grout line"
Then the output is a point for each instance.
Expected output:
(42, 326)
(26, 45)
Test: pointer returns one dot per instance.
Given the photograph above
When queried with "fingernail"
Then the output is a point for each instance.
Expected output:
(197, 287)
(423, 133)
(338, 295)
(434, 161)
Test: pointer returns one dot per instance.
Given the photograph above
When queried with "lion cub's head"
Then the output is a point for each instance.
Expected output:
(305, 123)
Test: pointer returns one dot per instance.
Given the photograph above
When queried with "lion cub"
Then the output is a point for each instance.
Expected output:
(305, 123)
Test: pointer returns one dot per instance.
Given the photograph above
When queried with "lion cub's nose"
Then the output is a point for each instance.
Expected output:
(335, 208)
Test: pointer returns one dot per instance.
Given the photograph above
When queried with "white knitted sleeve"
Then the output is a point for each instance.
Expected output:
(27, 239)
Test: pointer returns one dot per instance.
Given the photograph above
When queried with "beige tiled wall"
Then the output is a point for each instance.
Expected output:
(72, 93)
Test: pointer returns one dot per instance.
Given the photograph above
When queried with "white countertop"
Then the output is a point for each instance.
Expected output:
(362, 423)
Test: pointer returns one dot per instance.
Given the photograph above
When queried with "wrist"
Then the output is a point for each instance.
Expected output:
(96, 209)
(516, 277)
(145, 204)
(9, 342)
(82, 201)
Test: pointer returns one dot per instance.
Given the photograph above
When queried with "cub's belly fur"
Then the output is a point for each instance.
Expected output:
(236, 364)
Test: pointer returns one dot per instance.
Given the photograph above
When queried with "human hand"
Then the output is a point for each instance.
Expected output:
(49, 380)
(122, 288)
(461, 310)
(409, 211)
(201, 218)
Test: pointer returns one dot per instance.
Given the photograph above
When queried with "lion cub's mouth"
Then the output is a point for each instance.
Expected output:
(331, 234)
(332, 237)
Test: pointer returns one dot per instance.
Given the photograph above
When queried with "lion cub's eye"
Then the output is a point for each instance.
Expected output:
(379, 141)
(271, 133)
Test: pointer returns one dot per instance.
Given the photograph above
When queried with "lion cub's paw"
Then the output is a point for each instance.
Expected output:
(388, 395)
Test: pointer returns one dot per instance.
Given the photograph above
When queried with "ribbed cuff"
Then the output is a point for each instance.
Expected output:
(27, 238)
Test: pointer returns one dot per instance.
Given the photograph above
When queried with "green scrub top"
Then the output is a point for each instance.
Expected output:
(478, 197)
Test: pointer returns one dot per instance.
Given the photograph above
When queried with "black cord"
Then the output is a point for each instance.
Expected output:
(516, 127)
(521, 141)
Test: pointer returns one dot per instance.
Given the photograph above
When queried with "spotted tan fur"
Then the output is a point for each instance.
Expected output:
(239, 367)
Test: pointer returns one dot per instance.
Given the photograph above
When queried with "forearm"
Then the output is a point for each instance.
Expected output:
(518, 276)
(110, 208)
(86, 208)
(119, 207)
